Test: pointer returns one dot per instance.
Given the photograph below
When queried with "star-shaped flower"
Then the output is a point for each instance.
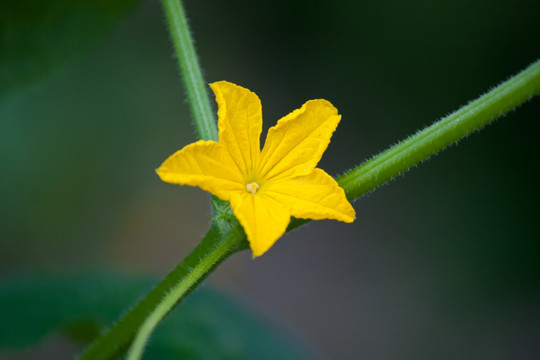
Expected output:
(265, 188)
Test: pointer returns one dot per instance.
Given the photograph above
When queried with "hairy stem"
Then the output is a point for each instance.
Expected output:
(190, 70)
(207, 263)
(450, 129)
(211, 251)
(447, 131)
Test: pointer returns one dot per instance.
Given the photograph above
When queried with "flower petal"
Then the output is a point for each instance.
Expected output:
(263, 218)
(315, 196)
(240, 124)
(295, 145)
(205, 164)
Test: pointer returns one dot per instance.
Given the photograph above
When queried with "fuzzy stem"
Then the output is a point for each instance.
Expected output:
(211, 251)
(190, 70)
(449, 130)
(207, 263)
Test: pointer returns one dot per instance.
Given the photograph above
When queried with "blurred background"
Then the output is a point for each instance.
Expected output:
(442, 263)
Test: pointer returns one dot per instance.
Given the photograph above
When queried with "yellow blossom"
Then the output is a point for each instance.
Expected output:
(265, 188)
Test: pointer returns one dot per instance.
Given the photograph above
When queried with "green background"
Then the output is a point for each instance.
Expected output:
(441, 263)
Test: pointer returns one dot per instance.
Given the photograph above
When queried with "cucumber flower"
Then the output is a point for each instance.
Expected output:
(265, 188)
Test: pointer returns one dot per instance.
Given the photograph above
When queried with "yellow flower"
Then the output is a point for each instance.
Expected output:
(265, 188)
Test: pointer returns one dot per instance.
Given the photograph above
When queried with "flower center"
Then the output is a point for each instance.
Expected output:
(252, 187)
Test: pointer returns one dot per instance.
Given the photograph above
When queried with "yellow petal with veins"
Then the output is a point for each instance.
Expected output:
(263, 218)
(239, 123)
(264, 188)
(295, 145)
(205, 164)
(315, 196)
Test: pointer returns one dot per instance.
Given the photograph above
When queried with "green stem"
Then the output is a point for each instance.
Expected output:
(206, 264)
(447, 131)
(417, 148)
(211, 251)
(201, 108)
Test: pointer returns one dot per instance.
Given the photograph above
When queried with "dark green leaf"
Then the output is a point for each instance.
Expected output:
(207, 326)
(38, 36)
(211, 326)
(32, 307)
